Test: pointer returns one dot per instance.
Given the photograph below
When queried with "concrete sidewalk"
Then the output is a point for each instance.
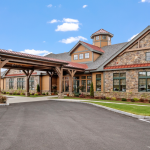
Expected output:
(21, 99)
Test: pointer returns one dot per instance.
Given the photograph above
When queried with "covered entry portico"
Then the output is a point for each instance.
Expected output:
(30, 63)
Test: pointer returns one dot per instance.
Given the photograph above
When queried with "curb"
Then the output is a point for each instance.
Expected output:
(110, 109)
(6, 104)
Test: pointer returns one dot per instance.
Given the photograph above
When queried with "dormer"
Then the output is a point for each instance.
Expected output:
(83, 52)
(101, 38)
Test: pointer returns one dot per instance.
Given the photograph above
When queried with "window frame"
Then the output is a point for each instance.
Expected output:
(88, 56)
(143, 77)
(96, 37)
(103, 37)
(31, 80)
(82, 57)
(98, 79)
(74, 57)
(11, 83)
(22, 83)
(146, 56)
(119, 78)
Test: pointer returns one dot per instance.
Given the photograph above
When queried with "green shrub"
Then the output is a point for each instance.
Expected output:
(92, 90)
(43, 93)
(7, 92)
(36, 94)
(113, 98)
(76, 94)
(4, 92)
(136, 99)
(108, 98)
(124, 99)
(47, 93)
(14, 93)
(38, 88)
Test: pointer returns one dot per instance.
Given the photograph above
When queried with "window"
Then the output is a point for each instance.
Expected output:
(81, 56)
(98, 82)
(20, 71)
(76, 83)
(75, 57)
(119, 82)
(108, 38)
(83, 82)
(89, 83)
(144, 81)
(31, 83)
(20, 83)
(65, 84)
(87, 55)
(83, 77)
(104, 37)
(147, 56)
(97, 37)
(11, 83)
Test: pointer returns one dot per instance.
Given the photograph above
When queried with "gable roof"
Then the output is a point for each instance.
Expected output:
(66, 63)
(90, 47)
(102, 31)
(109, 51)
(124, 47)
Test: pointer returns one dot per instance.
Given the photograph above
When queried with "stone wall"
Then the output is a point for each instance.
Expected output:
(131, 82)
(135, 57)
(36, 81)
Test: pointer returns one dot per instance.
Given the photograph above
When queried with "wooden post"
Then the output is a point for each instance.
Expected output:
(2, 64)
(50, 73)
(28, 74)
(71, 73)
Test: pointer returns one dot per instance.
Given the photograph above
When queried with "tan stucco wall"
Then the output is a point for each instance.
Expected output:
(45, 83)
(95, 56)
(82, 60)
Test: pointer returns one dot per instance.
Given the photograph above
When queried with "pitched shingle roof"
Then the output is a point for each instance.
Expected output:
(101, 31)
(94, 47)
(68, 63)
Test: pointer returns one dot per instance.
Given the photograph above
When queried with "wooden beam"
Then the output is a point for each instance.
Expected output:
(50, 73)
(3, 63)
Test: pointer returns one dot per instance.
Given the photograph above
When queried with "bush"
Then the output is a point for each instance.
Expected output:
(3, 99)
(141, 100)
(10, 93)
(124, 99)
(7, 92)
(92, 90)
(108, 98)
(136, 99)
(38, 88)
(36, 94)
(43, 93)
(47, 93)
(22, 93)
(76, 94)
(14, 93)
(4, 92)
(113, 98)
(82, 96)
(68, 95)
(103, 97)
(132, 100)
(18, 93)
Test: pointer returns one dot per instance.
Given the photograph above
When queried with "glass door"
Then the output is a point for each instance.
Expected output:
(75, 86)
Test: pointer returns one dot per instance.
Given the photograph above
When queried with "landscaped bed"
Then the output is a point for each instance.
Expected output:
(3, 99)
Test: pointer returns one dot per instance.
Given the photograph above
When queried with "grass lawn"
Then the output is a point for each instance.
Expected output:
(138, 110)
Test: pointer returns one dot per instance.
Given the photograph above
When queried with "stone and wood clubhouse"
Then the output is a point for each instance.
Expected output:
(123, 67)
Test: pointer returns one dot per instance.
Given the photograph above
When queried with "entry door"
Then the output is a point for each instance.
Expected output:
(75, 86)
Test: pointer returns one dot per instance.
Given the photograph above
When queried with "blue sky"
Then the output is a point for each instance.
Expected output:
(39, 27)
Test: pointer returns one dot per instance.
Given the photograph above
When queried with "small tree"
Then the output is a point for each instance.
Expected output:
(92, 90)
(38, 88)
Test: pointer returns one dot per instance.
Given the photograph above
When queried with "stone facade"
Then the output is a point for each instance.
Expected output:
(131, 83)
(145, 42)
(136, 57)
(15, 77)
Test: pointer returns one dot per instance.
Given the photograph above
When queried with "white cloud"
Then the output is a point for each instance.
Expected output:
(35, 52)
(54, 21)
(50, 5)
(72, 39)
(68, 27)
(9, 49)
(70, 20)
(143, 1)
(44, 41)
(85, 6)
(132, 37)
(59, 5)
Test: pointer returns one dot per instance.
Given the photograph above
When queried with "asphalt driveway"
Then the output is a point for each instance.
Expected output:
(54, 125)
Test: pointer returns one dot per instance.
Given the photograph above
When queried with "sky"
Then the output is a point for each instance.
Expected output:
(41, 27)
